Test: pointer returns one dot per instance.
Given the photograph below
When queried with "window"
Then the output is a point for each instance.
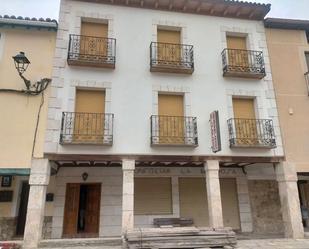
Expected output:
(152, 196)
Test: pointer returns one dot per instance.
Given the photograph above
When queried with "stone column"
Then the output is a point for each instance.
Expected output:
(213, 194)
(39, 179)
(289, 198)
(128, 167)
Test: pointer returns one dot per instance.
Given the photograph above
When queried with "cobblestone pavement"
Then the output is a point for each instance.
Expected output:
(273, 244)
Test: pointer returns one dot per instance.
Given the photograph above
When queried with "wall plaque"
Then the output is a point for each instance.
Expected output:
(215, 131)
(6, 181)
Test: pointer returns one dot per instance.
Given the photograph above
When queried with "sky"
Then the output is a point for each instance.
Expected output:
(295, 9)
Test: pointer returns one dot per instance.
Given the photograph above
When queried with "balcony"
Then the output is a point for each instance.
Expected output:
(92, 51)
(251, 133)
(243, 63)
(173, 130)
(87, 128)
(307, 80)
(171, 58)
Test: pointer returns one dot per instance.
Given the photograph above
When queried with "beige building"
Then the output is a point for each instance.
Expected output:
(288, 45)
(23, 116)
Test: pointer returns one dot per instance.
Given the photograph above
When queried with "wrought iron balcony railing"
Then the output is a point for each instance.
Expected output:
(251, 133)
(171, 58)
(243, 63)
(307, 80)
(92, 51)
(173, 130)
(86, 128)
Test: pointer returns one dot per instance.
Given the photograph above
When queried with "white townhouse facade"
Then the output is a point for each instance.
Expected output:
(162, 109)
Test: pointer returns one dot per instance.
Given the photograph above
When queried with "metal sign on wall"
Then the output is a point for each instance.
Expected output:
(215, 131)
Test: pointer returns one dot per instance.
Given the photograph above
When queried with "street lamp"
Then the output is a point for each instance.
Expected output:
(21, 64)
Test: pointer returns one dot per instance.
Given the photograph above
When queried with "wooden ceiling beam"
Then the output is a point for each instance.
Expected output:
(171, 5)
(156, 4)
(185, 5)
(226, 11)
(198, 7)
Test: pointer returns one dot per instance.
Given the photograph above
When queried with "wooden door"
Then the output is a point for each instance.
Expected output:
(71, 209)
(238, 55)
(171, 119)
(89, 116)
(93, 39)
(245, 121)
(169, 46)
(22, 212)
(92, 215)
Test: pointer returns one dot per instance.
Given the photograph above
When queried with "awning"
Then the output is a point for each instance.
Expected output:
(14, 172)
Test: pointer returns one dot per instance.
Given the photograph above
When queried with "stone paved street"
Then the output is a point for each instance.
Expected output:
(273, 244)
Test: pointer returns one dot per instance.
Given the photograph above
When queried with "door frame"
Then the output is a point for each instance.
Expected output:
(18, 206)
(81, 234)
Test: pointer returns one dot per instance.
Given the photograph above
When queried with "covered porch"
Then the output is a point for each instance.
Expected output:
(250, 195)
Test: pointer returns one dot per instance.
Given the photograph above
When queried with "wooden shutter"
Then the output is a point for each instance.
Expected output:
(230, 208)
(152, 196)
(93, 39)
(240, 56)
(90, 101)
(94, 29)
(71, 210)
(193, 200)
(89, 116)
(171, 120)
(234, 42)
(245, 121)
(169, 49)
(244, 108)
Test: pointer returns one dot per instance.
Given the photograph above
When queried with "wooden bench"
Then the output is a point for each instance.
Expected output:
(174, 222)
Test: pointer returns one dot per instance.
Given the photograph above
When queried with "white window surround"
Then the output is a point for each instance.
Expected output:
(259, 108)
(169, 25)
(237, 31)
(95, 17)
(165, 89)
(90, 85)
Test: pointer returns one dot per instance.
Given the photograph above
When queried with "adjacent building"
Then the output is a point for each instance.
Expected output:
(288, 45)
(23, 117)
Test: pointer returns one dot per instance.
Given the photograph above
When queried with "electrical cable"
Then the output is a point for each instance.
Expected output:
(37, 123)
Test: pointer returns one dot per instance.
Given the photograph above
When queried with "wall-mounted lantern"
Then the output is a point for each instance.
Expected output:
(21, 64)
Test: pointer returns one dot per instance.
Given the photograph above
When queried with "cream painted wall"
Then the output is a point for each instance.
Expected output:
(287, 56)
(19, 112)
